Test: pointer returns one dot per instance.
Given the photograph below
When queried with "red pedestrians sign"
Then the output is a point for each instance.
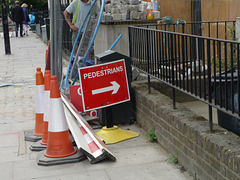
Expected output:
(104, 85)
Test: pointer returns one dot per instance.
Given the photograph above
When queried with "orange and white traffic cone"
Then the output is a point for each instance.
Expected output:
(37, 133)
(59, 142)
(39, 146)
(47, 62)
(39, 103)
(47, 79)
(46, 56)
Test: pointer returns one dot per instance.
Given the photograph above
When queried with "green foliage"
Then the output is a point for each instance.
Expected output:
(151, 135)
(173, 158)
(226, 63)
(231, 31)
(9, 4)
(37, 4)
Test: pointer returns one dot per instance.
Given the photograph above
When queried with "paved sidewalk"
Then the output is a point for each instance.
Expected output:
(136, 158)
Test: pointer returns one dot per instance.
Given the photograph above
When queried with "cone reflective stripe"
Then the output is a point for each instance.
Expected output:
(58, 122)
(47, 79)
(96, 151)
(59, 141)
(39, 103)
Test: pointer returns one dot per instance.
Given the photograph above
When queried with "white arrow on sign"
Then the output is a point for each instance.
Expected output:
(115, 86)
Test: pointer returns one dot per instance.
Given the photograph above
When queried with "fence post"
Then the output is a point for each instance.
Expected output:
(173, 78)
(237, 32)
(209, 85)
(148, 63)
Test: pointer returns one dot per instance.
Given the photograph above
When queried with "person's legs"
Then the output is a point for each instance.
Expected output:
(17, 29)
(86, 42)
(74, 37)
(21, 29)
(26, 29)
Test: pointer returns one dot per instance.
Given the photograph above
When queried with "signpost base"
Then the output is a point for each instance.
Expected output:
(114, 134)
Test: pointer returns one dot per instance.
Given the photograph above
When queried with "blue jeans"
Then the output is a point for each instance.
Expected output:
(21, 28)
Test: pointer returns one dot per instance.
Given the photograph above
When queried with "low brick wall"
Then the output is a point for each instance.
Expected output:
(206, 155)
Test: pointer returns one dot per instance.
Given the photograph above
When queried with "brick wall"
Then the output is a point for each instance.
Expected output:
(206, 155)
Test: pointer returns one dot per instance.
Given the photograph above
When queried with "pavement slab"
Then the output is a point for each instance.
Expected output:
(149, 171)
(89, 175)
(30, 170)
(10, 154)
(6, 170)
(9, 139)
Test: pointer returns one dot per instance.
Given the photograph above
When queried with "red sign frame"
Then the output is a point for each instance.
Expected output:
(76, 100)
(104, 85)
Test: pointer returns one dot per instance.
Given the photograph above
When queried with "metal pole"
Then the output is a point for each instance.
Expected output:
(51, 37)
(56, 63)
(109, 117)
(57, 40)
(5, 28)
(52, 60)
(197, 16)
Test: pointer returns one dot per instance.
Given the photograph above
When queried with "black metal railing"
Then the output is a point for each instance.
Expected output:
(40, 15)
(43, 18)
(202, 67)
(213, 29)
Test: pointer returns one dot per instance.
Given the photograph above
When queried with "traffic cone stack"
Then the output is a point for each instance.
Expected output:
(39, 146)
(47, 79)
(59, 141)
(59, 144)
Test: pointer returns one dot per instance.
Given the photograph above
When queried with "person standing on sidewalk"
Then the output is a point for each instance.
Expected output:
(18, 17)
(79, 9)
(26, 19)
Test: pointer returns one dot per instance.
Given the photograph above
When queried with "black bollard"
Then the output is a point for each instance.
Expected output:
(5, 28)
